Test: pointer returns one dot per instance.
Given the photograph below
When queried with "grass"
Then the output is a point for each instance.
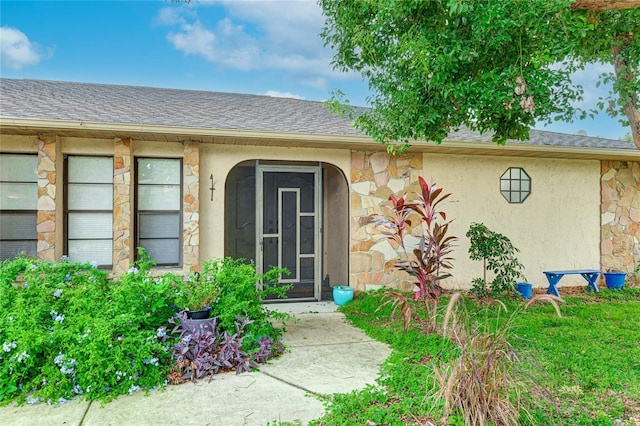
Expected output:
(583, 368)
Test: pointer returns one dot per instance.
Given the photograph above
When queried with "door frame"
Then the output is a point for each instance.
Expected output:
(318, 210)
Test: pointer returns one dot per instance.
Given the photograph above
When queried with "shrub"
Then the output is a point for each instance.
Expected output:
(66, 331)
(239, 297)
(428, 262)
(499, 256)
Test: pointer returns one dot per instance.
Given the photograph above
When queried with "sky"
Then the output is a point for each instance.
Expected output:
(260, 47)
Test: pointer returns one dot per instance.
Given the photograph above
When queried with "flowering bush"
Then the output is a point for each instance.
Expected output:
(68, 331)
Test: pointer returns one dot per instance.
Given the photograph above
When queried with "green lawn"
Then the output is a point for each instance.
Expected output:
(584, 368)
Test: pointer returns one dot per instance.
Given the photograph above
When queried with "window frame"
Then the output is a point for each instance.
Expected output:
(24, 212)
(141, 213)
(524, 177)
(68, 211)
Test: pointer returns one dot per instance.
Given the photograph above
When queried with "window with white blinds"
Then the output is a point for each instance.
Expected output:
(89, 209)
(18, 204)
(158, 209)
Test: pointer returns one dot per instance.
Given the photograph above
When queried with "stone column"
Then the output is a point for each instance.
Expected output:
(620, 215)
(46, 219)
(191, 206)
(122, 223)
(374, 177)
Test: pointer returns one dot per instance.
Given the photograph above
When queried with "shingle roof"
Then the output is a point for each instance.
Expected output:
(115, 104)
(55, 100)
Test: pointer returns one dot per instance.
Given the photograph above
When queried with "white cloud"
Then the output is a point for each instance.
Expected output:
(258, 35)
(16, 49)
(277, 94)
(194, 39)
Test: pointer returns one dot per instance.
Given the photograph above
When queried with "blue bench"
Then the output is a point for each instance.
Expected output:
(591, 275)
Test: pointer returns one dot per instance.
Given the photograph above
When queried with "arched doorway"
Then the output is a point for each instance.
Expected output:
(293, 215)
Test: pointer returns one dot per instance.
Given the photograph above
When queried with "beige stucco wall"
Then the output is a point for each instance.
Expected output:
(220, 159)
(557, 227)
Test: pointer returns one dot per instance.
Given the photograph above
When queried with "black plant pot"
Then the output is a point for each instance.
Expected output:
(199, 314)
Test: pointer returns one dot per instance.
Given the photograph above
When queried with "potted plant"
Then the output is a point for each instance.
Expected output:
(197, 293)
(614, 279)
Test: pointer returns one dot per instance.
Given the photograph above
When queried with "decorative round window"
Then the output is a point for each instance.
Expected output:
(515, 185)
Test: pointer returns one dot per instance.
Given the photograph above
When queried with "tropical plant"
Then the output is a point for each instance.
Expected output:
(498, 255)
(429, 261)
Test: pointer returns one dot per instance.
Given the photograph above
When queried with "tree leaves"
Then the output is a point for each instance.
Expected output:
(491, 66)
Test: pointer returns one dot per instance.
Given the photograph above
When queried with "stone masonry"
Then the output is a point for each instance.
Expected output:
(620, 215)
(191, 206)
(46, 218)
(374, 177)
(122, 219)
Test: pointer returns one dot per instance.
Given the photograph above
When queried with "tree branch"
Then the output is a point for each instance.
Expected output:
(623, 73)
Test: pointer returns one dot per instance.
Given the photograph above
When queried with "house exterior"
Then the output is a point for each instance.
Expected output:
(93, 171)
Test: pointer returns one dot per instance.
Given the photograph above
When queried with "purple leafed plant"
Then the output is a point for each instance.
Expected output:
(204, 350)
(429, 261)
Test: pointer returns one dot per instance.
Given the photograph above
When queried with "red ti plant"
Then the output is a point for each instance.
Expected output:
(429, 261)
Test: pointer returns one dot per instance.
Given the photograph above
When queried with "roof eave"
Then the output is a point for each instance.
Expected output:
(17, 125)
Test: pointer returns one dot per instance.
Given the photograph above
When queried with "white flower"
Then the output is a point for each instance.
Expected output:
(133, 389)
(58, 360)
(57, 293)
(31, 400)
(94, 264)
(56, 317)
(161, 332)
(24, 355)
(8, 346)
(133, 270)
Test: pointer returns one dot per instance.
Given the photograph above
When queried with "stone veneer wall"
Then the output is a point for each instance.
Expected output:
(620, 213)
(191, 206)
(46, 218)
(375, 176)
(122, 220)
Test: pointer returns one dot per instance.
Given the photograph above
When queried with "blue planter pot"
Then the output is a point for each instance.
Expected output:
(342, 294)
(614, 280)
(525, 290)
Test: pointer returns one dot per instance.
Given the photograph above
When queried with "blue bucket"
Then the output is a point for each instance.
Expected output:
(525, 290)
(614, 280)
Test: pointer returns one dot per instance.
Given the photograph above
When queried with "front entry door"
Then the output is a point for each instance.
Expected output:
(288, 228)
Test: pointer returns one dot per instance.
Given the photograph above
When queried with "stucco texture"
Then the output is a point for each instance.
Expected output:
(220, 159)
(556, 227)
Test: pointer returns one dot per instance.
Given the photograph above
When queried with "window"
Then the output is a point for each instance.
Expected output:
(515, 185)
(89, 212)
(18, 204)
(159, 202)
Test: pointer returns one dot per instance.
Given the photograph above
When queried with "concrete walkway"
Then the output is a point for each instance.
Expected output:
(325, 356)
